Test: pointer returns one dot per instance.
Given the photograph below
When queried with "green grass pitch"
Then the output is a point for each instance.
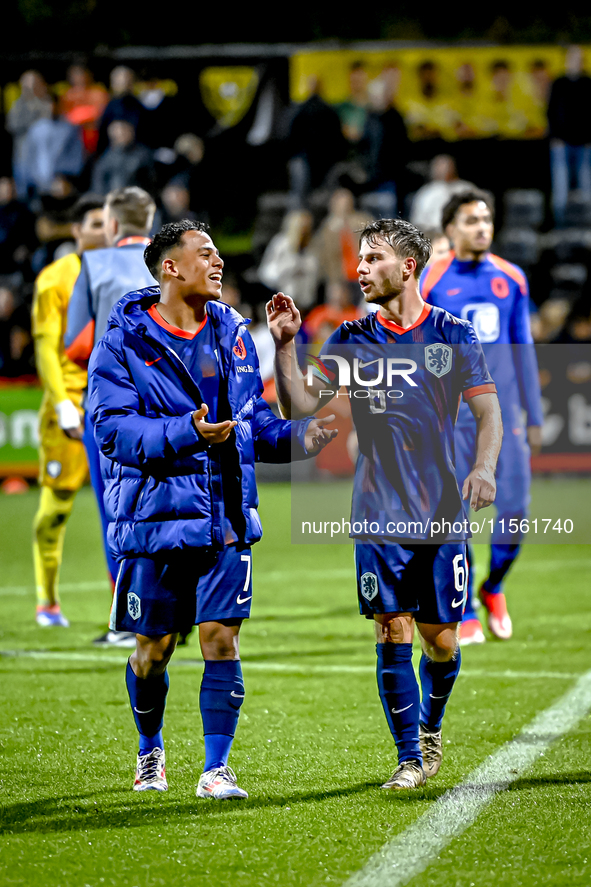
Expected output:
(312, 746)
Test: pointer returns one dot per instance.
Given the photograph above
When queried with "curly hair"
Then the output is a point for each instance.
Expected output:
(405, 239)
(168, 237)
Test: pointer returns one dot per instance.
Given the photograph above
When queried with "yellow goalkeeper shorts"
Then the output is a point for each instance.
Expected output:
(62, 461)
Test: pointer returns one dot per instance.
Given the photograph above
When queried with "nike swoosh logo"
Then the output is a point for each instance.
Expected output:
(396, 711)
(457, 603)
(445, 695)
(363, 365)
(149, 363)
(242, 600)
(147, 711)
(237, 695)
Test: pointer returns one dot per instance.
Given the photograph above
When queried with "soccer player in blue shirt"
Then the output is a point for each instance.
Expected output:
(175, 403)
(405, 491)
(474, 284)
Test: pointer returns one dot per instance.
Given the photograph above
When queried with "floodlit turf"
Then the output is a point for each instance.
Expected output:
(312, 746)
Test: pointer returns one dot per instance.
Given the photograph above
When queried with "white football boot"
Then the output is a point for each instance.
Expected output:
(151, 772)
(219, 784)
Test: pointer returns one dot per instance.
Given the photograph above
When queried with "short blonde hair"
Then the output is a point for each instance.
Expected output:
(132, 207)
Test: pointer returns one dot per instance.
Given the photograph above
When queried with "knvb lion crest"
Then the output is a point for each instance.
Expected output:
(438, 359)
(239, 348)
(369, 586)
(134, 605)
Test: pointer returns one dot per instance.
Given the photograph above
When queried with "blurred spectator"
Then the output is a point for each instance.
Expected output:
(440, 243)
(289, 265)
(353, 111)
(570, 133)
(231, 294)
(429, 200)
(467, 124)
(83, 104)
(175, 201)
(336, 243)
(191, 169)
(162, 118)
(426, 113)
(385, 140)
(53, 227)
(315, 143)
(323, 320)
(34, 103)
(549, 320)
(16, 345)
(541, 81)
(17, 231)
(51, 147)
(577, 327)
(124, 163)
(123, 105)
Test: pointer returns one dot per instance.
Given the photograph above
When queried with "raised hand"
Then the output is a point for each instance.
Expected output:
(283, 318)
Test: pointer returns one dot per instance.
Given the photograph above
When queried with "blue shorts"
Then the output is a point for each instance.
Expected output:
(428, 581)
(172, 591)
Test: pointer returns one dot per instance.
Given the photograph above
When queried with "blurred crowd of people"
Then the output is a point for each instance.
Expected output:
(343, 163)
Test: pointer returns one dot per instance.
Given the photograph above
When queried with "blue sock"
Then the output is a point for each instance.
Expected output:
(437, 682)
(220, 698)
(147, 697)
(399, 692)
(501, 561)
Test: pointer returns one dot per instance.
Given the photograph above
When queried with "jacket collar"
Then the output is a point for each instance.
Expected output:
(130, 310)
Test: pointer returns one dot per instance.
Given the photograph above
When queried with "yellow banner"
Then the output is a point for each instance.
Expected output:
(452, 92)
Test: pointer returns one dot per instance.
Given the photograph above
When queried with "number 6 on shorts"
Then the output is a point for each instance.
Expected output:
(459, 572)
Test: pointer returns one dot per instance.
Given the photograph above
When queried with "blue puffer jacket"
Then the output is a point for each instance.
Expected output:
(163, 483)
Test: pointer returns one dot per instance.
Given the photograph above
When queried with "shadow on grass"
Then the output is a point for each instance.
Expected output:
(121, 808)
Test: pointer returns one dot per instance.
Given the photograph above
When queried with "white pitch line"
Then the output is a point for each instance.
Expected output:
(263, 579)
(18, 590)
(413, 851)
(280, 575)
(285, 667)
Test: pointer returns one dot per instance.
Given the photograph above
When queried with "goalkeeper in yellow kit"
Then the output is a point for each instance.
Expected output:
(62, 457)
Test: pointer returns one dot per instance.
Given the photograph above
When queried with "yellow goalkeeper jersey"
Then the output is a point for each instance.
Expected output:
(61, 378)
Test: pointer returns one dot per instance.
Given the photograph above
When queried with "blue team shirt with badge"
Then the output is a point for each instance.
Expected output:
(199, 354)
(405, 475)
(493, 295)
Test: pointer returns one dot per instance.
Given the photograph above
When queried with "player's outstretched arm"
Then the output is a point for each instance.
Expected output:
(480, 485)
(296, 399)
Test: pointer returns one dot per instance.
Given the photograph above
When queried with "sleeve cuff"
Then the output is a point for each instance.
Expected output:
(488, 388)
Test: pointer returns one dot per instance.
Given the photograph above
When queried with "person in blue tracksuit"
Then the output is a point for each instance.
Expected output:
(175, 402)
(476, 285)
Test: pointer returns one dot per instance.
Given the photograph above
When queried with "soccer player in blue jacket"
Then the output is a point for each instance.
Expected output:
(175, 402)
(492, 293)
(405, 367)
